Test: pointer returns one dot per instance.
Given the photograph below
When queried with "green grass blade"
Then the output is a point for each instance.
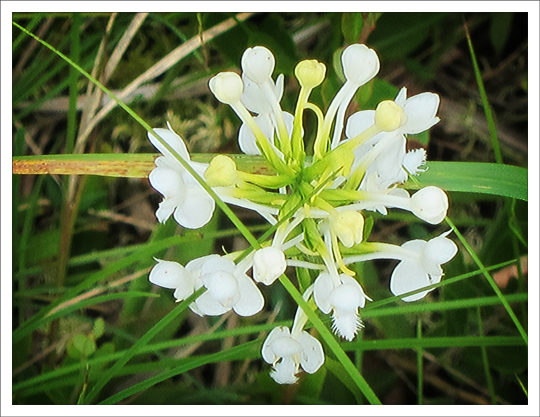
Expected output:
(485, 360)
(485, 102)
(135, 348)
(490, 280)
(476, 177)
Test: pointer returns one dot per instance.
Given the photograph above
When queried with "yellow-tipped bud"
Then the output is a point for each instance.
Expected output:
(348, 226)
(310, 73)
(221, 172)
(389, 116)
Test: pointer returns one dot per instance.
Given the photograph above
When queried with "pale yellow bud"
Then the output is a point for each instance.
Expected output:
(227, 87)
(221, 172)
(310, 73)
(389, 116)
(348, 226)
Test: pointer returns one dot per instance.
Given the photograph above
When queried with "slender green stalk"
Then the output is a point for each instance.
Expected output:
(75, 35)
(485, 360)
(490, 280)
(420, 364)
(485, 102)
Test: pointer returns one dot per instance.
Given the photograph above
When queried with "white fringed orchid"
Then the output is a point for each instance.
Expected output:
(343, 297)
(289, 350)
(227, 286)
(184, 198)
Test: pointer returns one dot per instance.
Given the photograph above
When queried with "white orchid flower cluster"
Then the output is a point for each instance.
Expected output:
(316, 202)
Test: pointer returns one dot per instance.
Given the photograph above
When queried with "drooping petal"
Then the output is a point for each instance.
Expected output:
(312, 356)
(196, 210)
(251, 300)
(285, 371)
(438, 251)
(209, 306)
(166, 274)
(321, 292)
(409, 276)
(267, 352)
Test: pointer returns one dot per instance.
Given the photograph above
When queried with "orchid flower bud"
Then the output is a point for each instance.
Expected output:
(268, 265)
(221, 172)
(310, 73)
(360, 64)
(227, 87)
(258, 64)
(389, 116)
(348, 225)
(430, 204)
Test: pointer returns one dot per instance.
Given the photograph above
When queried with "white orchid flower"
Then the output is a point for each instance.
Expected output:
(342, 298)
(421, 266)
(227, 287)
(184, 198)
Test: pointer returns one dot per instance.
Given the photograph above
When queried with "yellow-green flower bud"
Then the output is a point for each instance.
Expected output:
(221, 172)
(227, 87)
(348, 226)
(310, 73)
(389, 116)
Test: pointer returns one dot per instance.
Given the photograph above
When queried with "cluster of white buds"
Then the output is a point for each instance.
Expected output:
(316, 202)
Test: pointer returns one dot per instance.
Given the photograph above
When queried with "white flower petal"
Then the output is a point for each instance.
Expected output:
(167, 182)
(196, 210)
(251, 299)
(258, 64)
(321, 292)
(267, 352)
(285, 371)
(209, 306)
(268, 265)
(360, 64)
(409, 276)
(166, 274)
(430, 204)
(358, 122)
(312, 353)
(172, 139)
(421, 110)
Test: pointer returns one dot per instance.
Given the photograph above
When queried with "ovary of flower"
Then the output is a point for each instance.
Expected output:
(348, 225)
(421, 265)
(269, 264)
(227, 288)
(221, 172)
(183, 196)
(287, 352)
(343, 299)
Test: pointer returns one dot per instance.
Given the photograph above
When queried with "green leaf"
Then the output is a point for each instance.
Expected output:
(351, 26)
(81, 346)
(477, 177)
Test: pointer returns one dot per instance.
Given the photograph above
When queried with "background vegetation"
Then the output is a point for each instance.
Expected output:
(90, 328)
